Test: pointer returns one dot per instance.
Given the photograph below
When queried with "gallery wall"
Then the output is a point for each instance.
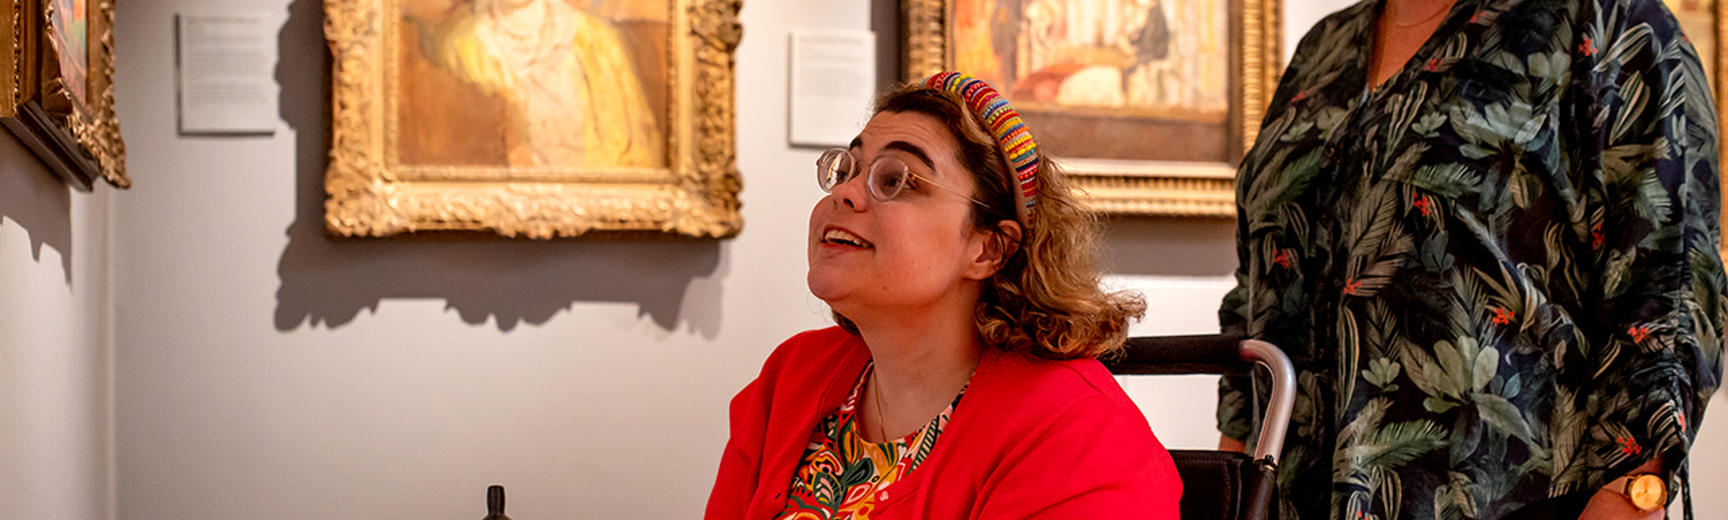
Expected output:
(197, 348)
(56, 444)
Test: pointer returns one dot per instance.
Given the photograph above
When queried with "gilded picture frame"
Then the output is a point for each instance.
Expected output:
(507, 164)
(1139, 183)
(59, 92)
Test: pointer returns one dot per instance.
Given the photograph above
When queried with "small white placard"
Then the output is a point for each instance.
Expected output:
(833, 84)
(226, 60)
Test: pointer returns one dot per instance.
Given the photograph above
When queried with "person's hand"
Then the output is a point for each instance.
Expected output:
(1611, 504)
(1225, 443)
(1608, 505)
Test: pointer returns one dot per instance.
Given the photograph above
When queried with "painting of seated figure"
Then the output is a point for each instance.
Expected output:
(557, 84)
(535, 118)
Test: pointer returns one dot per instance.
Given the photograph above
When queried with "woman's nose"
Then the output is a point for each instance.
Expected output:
(852, 193)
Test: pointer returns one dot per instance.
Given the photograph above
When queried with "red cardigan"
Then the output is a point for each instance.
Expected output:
(1032, 438)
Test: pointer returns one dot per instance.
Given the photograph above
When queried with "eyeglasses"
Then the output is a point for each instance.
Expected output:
(888, 177)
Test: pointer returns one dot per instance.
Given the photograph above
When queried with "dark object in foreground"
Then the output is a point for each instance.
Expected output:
(1219, 485)
(495, 503)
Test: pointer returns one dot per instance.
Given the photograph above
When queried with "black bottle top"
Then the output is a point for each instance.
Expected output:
(495, 503)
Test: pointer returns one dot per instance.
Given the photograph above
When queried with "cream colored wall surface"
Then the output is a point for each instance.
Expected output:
(56, 448)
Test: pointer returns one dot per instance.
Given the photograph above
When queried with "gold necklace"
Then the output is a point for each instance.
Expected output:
(881, 418)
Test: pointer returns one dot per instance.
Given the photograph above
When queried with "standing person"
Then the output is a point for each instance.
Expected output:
(960, 382)
(1486, 231)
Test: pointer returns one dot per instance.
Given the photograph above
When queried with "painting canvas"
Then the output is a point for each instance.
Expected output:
(533, 118)
(59, 100)
(69, 33)
(1079, 68)
(1186, 78)
(554, 84)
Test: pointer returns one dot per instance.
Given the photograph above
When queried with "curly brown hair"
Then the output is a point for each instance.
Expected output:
(1045, 300)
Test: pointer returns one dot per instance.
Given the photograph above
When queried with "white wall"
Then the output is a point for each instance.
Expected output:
(265, 371)
(56, 445)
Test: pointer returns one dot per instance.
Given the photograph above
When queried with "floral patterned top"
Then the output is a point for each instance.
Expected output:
(842, 473)
(1497, 273)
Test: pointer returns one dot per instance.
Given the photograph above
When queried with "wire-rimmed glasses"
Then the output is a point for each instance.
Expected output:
(888, 177)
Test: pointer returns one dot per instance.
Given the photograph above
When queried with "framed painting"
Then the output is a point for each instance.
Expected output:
(1189, 78)
(532, 118)
(59, 98)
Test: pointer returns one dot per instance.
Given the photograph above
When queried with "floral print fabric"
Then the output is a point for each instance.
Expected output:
(1497, 272)
(842, 474)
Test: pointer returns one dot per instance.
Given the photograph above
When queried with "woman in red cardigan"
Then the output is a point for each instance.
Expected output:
(961, 381)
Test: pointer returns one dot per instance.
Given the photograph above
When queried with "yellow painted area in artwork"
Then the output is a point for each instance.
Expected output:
(574, 97)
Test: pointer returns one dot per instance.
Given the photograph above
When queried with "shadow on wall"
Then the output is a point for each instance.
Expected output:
(328, 282)
(885, 22)
(36, 200)
(1170, 246)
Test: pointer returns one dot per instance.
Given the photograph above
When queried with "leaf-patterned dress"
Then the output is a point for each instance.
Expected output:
(1497, 272)
(842, 475)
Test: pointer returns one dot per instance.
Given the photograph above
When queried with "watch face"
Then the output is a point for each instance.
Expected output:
(1647, 492)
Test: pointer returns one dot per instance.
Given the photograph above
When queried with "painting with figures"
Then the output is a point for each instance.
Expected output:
(1150, 102)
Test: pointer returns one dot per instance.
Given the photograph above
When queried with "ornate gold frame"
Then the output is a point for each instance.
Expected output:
(1141, 187)
(77, 141)
(371, 195)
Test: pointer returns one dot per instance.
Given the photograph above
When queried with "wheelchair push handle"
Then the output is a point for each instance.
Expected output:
(1219, 354)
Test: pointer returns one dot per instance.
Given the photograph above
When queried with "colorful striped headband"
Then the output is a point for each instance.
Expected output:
(1002, 121)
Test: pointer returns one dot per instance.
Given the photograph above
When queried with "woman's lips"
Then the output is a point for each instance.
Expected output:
(841, 237)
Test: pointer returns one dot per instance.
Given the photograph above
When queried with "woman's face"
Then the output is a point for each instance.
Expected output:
(904, 254)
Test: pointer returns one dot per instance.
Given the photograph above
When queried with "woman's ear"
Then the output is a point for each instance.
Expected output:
(999, 245)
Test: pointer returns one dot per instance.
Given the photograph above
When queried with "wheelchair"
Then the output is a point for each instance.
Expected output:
(1221, 485)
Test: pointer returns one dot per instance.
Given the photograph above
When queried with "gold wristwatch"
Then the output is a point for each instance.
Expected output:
(1647, 491)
